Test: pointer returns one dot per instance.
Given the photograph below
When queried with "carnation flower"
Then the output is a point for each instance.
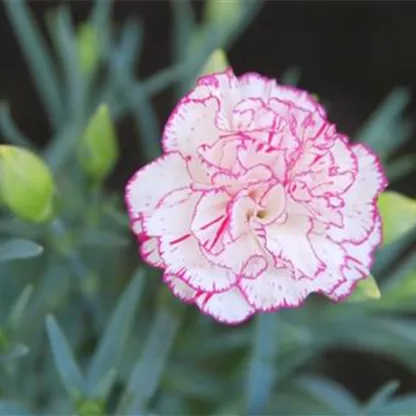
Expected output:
(257, 200)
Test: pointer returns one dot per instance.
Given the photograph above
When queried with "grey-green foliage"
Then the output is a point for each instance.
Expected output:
(74, 337)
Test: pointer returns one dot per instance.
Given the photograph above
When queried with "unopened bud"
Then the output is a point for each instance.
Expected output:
(26, 184)
(98, 150)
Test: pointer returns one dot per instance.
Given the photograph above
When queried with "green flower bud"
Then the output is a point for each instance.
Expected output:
(88, 48)
(398, 213)
(88, 407)
(26, 184)
(366, 289)
(98, 150)
(216, 62)
(223, 12)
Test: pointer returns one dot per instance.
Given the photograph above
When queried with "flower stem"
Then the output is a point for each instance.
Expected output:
(58, 230)
(262, 364)
(148, 369)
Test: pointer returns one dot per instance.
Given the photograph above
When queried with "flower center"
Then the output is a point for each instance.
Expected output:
(261, 214)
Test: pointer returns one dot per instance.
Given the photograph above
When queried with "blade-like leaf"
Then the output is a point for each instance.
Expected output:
(9, 129)
(148, 368)
(123, 58)
(291, 76)
(17, 248)
(398, 213)
(381, 131)
(15, 352)
(190, 382)
(115, 335)
(18, 309)
(401, 167)
(102, 238)
(330, 393)
(12, 409)
(64, 360)
(183, 26)
(405, 405)
(182, 29)
(402, 282)
(381, 398)
(62, 31)
(145, 117)
(101, 13)
(387, 256)
(37, 56)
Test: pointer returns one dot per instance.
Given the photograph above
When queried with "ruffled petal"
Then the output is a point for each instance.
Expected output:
(184, 258)
(274, 289)
(179, 288)
(290, 241)
(360, 210)
(149, 251)
(228, 307)
(173, 214)
(151, 183)
(192, 123)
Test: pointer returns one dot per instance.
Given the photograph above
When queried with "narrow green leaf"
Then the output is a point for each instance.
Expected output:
(381, 131)
(101, 14)
(17, 248)
(167, 402)
(366, 289)
(123, 58)
(9, 130)
(119, 217)
(64, 360)
(63, 33)
(37, 56)
(404, 405)
(380, 398)
(12, 409)
(62, 145)
(18, 309)
(262, 369)
(116, 333)
(402, 281)
(104, 386)
(220, 344)
(183, 26)
(146, 120)
(103, 238)
(15, 352)
(401, 167)
(398, 213)
(388, 255)
(209, 38)
(192, 382)
(330, 393)
(148, 369)
(291, 76)
(163, 78)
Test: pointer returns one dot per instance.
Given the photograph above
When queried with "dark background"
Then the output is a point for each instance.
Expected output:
(351, 54)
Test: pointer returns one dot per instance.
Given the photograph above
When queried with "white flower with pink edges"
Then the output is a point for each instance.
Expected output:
(257, 200)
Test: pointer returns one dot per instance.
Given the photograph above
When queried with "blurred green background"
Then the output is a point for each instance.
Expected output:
(85, 327)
